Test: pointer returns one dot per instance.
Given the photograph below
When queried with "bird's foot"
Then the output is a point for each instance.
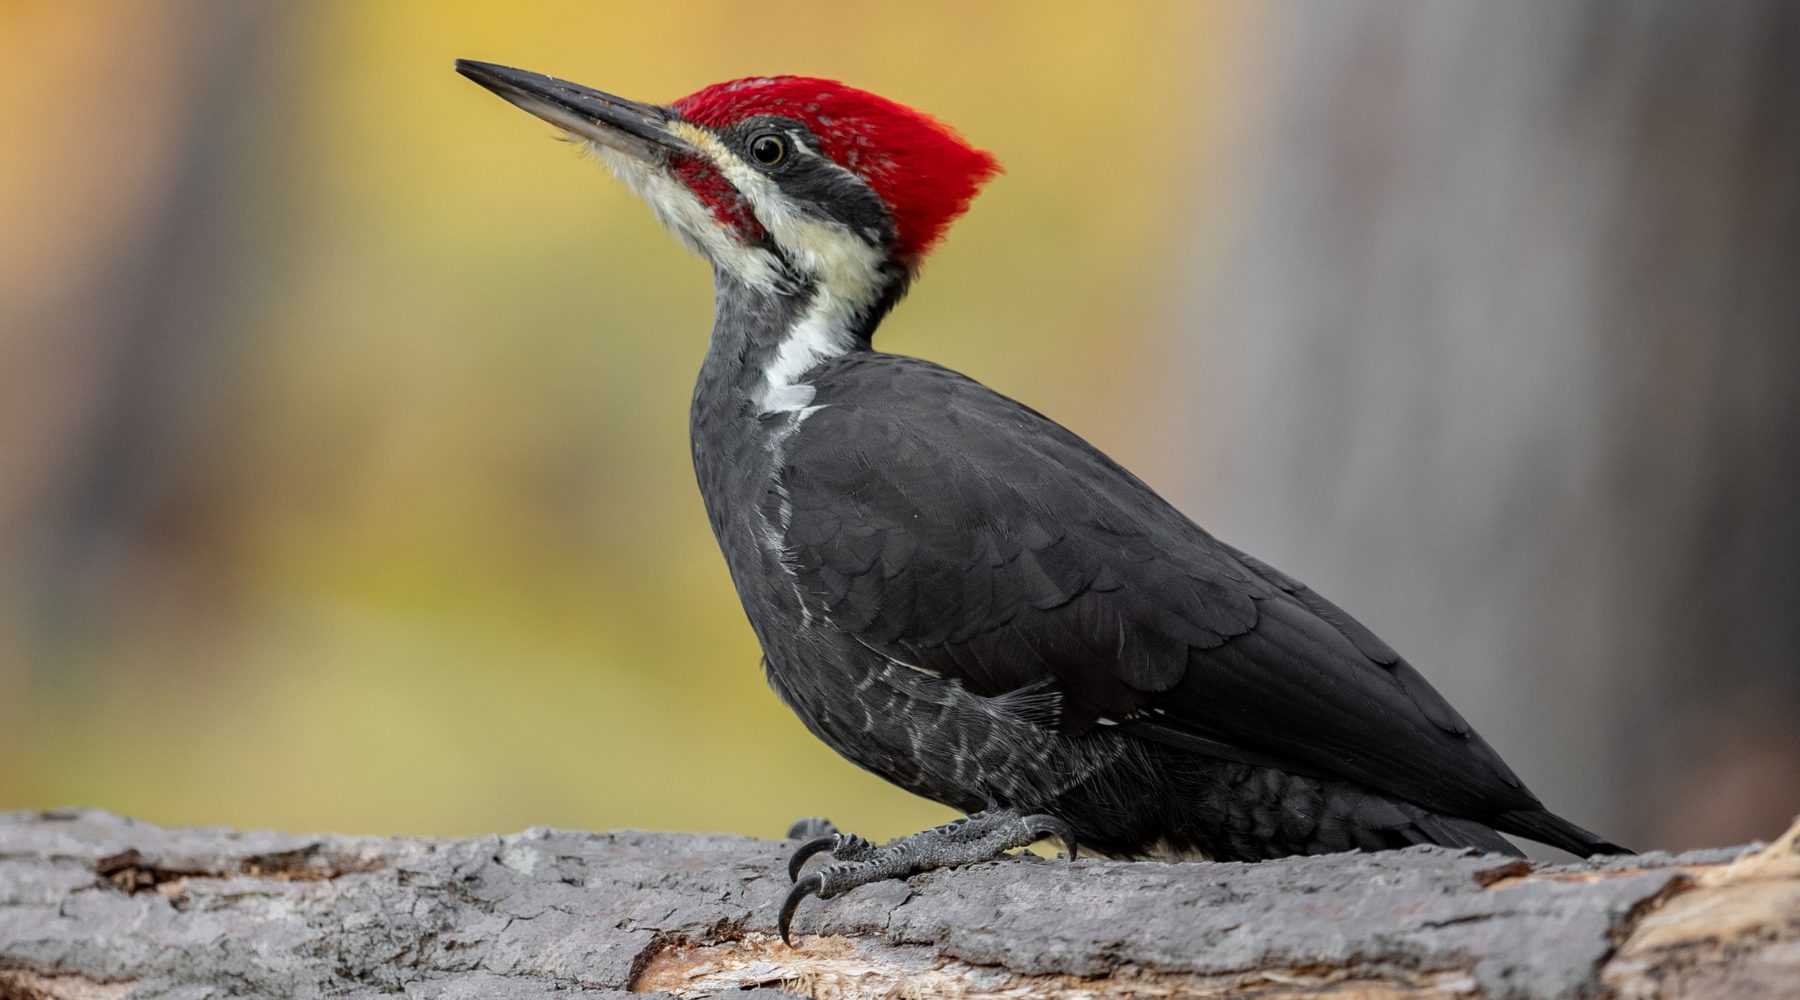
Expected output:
(981, 836)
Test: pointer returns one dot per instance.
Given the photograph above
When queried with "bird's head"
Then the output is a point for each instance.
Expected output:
(791, 184)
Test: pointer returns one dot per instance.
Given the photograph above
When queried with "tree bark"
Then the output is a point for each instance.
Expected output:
(94, 905)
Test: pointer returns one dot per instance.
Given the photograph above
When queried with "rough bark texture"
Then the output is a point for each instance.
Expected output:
(99, 906)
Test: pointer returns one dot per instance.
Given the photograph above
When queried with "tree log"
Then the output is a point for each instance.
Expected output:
(102, 907)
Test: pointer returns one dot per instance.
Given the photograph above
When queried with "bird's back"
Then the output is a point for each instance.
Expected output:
(957, 532)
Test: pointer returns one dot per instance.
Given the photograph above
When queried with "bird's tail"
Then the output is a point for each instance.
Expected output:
(1454, 831)
(1546, 827)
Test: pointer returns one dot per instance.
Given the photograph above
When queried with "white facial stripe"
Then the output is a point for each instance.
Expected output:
(824, 249)
(844, 269)
(689, 220)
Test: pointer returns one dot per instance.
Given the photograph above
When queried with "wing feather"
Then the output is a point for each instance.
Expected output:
(954, 529)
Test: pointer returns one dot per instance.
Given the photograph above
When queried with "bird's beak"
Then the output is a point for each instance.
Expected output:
(630, 127)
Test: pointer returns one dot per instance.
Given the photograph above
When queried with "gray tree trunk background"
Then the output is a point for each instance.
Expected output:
(115, 394)
(1505, 358)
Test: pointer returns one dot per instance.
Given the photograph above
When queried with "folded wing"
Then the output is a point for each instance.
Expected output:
(958, 531)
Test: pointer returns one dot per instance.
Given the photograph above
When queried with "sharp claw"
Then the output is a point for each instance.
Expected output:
(1047, 825)
(814, 846)
(811, 884)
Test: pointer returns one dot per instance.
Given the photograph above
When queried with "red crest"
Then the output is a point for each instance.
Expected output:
(923, 170)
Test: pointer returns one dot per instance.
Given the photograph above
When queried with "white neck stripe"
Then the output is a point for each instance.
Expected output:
(817, 337)
(843, 270)
(845, 273)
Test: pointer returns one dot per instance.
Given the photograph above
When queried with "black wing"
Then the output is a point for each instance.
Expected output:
(951, 528)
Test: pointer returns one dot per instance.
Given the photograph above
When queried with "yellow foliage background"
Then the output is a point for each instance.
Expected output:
(449, 573)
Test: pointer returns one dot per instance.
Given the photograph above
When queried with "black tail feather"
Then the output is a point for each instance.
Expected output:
(1454, 831)
(1546, 827)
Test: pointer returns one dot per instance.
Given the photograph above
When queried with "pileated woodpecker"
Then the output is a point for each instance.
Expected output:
(962, 596)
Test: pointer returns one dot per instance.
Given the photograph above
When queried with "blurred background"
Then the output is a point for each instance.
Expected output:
(343, 468)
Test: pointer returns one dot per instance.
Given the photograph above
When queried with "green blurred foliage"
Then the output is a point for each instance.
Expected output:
(453, 573)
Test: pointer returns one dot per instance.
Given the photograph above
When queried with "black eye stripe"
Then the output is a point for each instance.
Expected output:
(768, 149)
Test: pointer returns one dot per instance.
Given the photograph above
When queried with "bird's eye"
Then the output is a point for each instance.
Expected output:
(768, 149)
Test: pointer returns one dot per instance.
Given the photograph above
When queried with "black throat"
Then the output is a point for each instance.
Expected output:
(751, 327)
(737, 424)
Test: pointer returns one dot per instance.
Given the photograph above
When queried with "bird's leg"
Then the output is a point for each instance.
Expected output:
(980, 836)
